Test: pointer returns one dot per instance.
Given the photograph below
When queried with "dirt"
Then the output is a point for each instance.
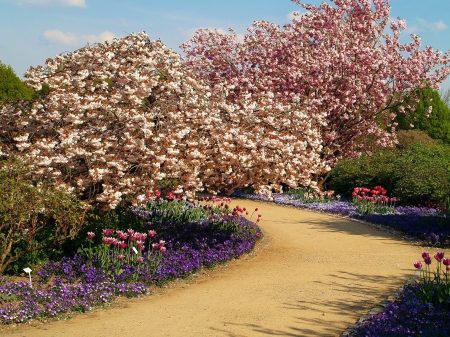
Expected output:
(311, 275)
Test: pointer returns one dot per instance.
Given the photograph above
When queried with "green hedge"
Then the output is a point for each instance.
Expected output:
(416, 174)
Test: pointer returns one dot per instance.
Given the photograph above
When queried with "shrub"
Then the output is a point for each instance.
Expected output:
(417, 174)
(407, 138)
(27, 210)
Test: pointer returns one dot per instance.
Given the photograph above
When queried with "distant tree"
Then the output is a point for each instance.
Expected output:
(11, 87)
(429, 113)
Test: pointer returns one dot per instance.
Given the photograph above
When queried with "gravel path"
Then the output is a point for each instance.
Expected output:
(311, 275)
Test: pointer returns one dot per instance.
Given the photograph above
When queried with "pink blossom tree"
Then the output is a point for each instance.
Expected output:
(333, 60)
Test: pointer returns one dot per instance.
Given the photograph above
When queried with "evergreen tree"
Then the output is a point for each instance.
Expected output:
(437, 125)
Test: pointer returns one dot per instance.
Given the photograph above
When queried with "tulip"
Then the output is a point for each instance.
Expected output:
(418, 265)
(439, 256)
(90, 235)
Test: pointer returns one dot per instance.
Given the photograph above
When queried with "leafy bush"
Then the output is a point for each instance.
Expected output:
(417, 174)
(33, 217)
(406, 138)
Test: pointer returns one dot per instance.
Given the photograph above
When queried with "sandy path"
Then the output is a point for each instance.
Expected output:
(313, 275)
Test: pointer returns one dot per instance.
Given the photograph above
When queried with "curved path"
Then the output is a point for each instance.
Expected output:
(312, 275)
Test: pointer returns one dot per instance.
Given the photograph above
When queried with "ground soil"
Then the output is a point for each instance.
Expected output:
(311, 275)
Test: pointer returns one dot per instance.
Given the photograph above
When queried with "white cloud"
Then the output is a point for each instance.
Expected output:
(440, 25)
(71, 39)
(68, 3)
(434, 26)
(189, 33)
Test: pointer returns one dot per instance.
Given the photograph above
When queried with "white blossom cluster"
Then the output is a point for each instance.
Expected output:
(115, 119)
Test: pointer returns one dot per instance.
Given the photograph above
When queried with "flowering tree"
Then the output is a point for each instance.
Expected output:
(115, 119)
(334, 61)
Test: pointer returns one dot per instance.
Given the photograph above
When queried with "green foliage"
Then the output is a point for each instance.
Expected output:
(408, 137)
(33, 216)
(11, 86)
(414, 175)
(437, 126)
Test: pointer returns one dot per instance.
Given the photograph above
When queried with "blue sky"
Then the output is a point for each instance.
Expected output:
(33, 30)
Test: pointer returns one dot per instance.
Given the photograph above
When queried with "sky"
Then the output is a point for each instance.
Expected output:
(34, 30)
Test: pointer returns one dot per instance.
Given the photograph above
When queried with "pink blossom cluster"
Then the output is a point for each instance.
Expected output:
(331, 73)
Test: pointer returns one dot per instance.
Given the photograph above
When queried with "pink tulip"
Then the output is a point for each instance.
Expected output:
(439, 256)
(427, 260)
(90, 235)
(425, 254)
(446, 261)
(418, 265)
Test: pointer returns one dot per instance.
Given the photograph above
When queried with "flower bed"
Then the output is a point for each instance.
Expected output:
(424, 225)
(79, 283)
